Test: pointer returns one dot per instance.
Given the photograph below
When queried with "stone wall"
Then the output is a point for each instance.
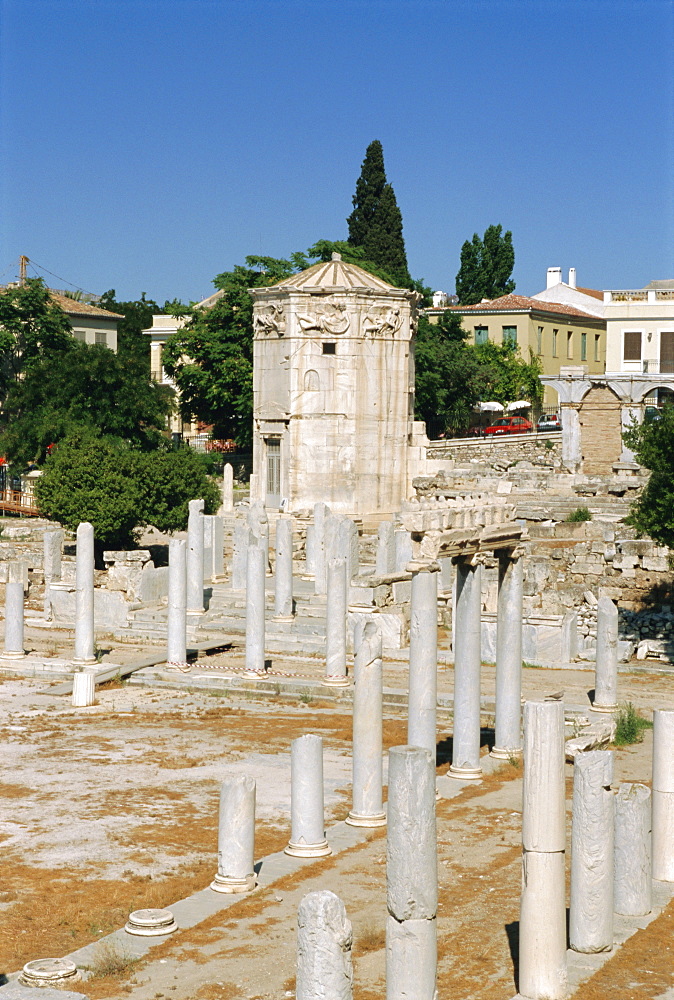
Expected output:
(507, 449)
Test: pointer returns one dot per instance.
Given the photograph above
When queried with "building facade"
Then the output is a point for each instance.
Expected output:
(90, 323)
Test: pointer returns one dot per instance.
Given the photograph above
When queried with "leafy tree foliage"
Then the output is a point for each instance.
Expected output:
(82, 385)
(96, 479)
(653, 446)
(486, 267)
(31, 325)
(376, 223)
(132, 344)
(509, 376)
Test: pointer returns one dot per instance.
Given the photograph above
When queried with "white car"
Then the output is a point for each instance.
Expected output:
(549, 422)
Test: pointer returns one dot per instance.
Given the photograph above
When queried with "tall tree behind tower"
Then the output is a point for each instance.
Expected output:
(376, 222)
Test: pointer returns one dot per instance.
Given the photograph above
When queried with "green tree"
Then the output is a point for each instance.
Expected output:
(119, 490)
(449, 379)
(508, 376)
(376, 223)
(132, 344)
(486, 267)
(81, 386)
(31, 326)
(211, 358)
(653, 446)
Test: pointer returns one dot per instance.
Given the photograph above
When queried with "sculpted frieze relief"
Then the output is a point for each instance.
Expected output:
(382, 321)
(269, 320)
(328, 318)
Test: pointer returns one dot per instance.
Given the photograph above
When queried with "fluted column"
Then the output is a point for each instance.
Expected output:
(467, 664)
(508, 725)
(84, 595)
(368, 775)
(423, 675)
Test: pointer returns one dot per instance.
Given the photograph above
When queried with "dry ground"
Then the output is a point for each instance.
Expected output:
(113, 808)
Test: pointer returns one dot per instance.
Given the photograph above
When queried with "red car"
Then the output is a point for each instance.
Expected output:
(509, 425)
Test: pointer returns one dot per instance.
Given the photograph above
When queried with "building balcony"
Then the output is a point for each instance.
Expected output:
(651, 296)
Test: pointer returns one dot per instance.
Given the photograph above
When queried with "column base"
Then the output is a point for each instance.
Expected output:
(309, 577)
(254, 675)
(605, 709)
(464, 773)
(283, 618)
(196, 612)
(226, 883)
(150, 923)
(336, 680)
(359, 609)
(501, 753)
(12, 655)
(86, 661)
(308, 850)
(353, 819)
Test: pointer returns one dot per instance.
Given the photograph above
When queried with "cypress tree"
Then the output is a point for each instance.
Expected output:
(376, 222)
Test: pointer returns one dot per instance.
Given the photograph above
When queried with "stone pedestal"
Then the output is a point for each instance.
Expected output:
(214, 548)
(663, 795)
(508, 737)
(591, 909)
(84, 595)
(606, 671)
(403, 544)
(52, 556)
(14, 616)
(307, 836)
(423, 675)
(324, 938)
(542, 948)
(633, 870)
(227, 489)
(283, 570)
(255, 605)
(176, 624)
(84, 689)
(411, 876)
(467, 664)
(195, 558)
(335, 639)
(236, 836)
(368, 776)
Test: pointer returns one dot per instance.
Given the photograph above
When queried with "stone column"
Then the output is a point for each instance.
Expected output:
(467, 663)
(258, 523)
(52, 552)
(195, 558)
(254, 487)
(403, 544)
(423, 674)
(348, 542)
(309, 556)
(663, 795)
(508, 738)
(572, 455)
(84, 689)
(591, 909)
(176, 623)
(569, 636)
(14, 612)
(368, 772)
(411, 876)
(542, 947)
(324, 937)
(321, 512)
(236, 835)
(240, 536)
(84, 595)
(606, 671)
(214, 547)
(386, 550)
(255, 606)
(446, 565)
(633, 871)
(283, 570)
(335, 637)
(307, 823)
(227, 489)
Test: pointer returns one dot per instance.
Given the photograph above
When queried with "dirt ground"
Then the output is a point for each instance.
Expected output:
(113, 808)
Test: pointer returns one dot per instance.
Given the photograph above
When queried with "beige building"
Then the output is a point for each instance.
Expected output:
(556, 333)
(90, 323)
(333, 390)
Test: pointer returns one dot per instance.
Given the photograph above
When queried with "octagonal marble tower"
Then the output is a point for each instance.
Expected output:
(333, 389)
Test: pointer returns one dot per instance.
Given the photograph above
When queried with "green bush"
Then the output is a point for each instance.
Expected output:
(630, 725)
(579, 514)
(119, 490)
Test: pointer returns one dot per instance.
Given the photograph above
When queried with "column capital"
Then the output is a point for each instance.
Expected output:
(419, 566)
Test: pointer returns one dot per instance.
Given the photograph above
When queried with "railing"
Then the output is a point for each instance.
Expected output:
(651, 295)
(660, 366)
(18, 502)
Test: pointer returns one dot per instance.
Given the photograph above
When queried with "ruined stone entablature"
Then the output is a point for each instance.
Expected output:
(463, 526)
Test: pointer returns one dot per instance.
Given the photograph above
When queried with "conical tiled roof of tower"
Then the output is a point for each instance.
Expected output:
(335, 273)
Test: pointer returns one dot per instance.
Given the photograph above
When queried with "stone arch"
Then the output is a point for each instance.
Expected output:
(600, 421)
(312, 382)
(650, 388)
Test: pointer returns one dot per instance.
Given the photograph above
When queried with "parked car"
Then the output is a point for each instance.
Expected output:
(509, 425)
(549, 422)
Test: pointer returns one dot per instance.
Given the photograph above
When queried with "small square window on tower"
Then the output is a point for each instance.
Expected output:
(329, 348)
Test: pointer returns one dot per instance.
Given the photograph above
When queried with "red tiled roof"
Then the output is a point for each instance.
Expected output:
(521, 303)
(75, 308)
(591, 291)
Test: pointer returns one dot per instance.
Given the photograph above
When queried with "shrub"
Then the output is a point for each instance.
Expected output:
(579, 514)
(630, 725)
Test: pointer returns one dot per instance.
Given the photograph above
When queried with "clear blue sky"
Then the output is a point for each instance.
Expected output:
(147, 145)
